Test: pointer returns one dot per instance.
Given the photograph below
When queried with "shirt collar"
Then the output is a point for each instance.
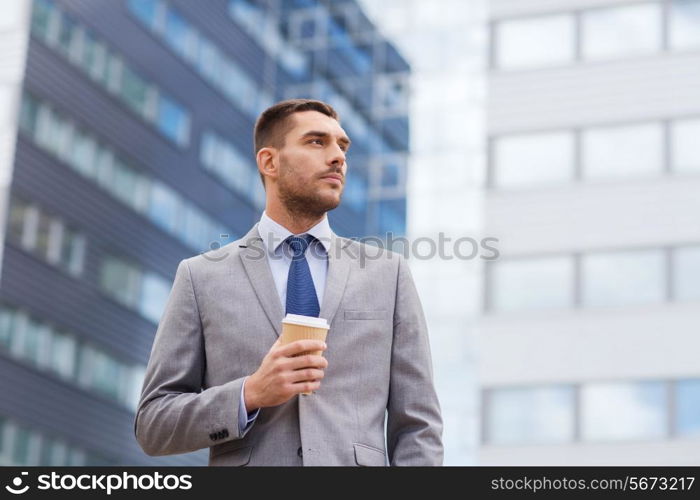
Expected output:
(274, 234)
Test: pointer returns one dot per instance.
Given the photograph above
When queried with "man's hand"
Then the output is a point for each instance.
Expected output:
(281, 375)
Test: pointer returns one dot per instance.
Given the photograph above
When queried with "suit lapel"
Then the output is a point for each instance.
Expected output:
(336, 279)
(254, 258)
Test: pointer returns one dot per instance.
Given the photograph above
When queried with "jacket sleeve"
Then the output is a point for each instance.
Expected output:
(174, 414)
(414, 422)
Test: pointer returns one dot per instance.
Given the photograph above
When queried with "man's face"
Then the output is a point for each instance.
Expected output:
(312, 164)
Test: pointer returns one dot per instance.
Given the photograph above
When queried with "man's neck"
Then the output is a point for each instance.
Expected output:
(295, 223)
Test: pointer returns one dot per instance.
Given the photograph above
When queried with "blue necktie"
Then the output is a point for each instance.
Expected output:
(301, 293)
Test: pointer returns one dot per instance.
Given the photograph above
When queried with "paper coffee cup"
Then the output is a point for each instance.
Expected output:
(297, 327)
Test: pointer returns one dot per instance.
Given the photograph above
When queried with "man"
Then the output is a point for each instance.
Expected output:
(219, 378)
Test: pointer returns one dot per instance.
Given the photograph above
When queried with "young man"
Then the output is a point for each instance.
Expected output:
(218, 376)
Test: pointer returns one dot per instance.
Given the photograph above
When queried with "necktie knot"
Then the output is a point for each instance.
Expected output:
(299, 244)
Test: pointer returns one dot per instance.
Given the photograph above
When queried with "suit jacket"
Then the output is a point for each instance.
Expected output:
(222, 317)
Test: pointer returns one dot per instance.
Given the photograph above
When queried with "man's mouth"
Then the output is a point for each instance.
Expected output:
(333, 178)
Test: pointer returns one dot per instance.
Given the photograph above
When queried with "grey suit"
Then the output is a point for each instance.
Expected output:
(221, 319)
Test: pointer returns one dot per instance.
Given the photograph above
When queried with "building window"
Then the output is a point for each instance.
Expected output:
(688, 407)
(685, 24)
(17, 220)
(83, 153)
(391, 217)
(63, 355)
(530, 284)
(539, 415)
(25, 449)
(534, 42)
(355, 192)
(253, 18)
(20, 445)
(108, 69)
(121, 280)
(164, 207)
(173, 120)
(145, 10)
(154, 295)
(623, 278)
(621, 31)
(686, 273)
(528, 160)
(202, 54)
(139, 290)
(93, 160)
(46, 348)
(623, 151)
(685, 146)
(624, 411)
(46, 236)
(228, 164)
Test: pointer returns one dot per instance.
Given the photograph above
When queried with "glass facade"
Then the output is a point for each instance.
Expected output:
(620, 278)
(46, 236)
(107, 68)
(142, 291)
(528, 43)
(686, 269)
(233, 168)
(687, 394)
(623, 152)
(22, 445)
(621, 31)
(602, 33)
(623, 278)
(613, 153)
(685, 148)
(68, 357)
(624, 411)
(532, 160)
(530, 415)
(134, 152)
(685, 24)
(531, 284)
(595, 412)
(109, 170)
(202, 54)
(592, 164)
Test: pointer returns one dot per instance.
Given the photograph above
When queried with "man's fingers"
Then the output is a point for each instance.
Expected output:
(299, 346)
(307, 386)
(304, 361)
(310, 374)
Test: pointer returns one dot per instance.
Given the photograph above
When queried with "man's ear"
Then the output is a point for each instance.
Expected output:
(268, 163)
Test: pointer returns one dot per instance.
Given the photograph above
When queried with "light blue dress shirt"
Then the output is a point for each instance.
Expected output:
(280, 258)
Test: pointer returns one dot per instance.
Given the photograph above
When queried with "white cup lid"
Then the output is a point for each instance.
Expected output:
(297, 319)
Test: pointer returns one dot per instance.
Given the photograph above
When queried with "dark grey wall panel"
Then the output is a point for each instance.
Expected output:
(74, 305)
(75, 96)
(84, 419)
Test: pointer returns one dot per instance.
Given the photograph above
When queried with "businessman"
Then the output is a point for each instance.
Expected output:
(218, 376)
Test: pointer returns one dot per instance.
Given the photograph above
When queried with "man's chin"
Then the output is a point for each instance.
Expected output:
(331, 204)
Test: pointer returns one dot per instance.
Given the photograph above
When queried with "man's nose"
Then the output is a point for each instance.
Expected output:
(337, 157)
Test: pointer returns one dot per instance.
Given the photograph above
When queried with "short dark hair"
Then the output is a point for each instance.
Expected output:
(274, 123)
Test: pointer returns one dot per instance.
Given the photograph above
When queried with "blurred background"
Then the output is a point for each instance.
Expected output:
(567, 129)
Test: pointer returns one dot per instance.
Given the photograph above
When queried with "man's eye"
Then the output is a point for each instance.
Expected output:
(317, 141)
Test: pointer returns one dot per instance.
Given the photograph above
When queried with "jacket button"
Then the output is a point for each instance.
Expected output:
(300, 453)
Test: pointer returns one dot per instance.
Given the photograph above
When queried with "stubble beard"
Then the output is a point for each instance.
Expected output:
(302, 201)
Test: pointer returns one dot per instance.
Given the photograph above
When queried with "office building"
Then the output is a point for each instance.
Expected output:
(127, 134)
(589, 337)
